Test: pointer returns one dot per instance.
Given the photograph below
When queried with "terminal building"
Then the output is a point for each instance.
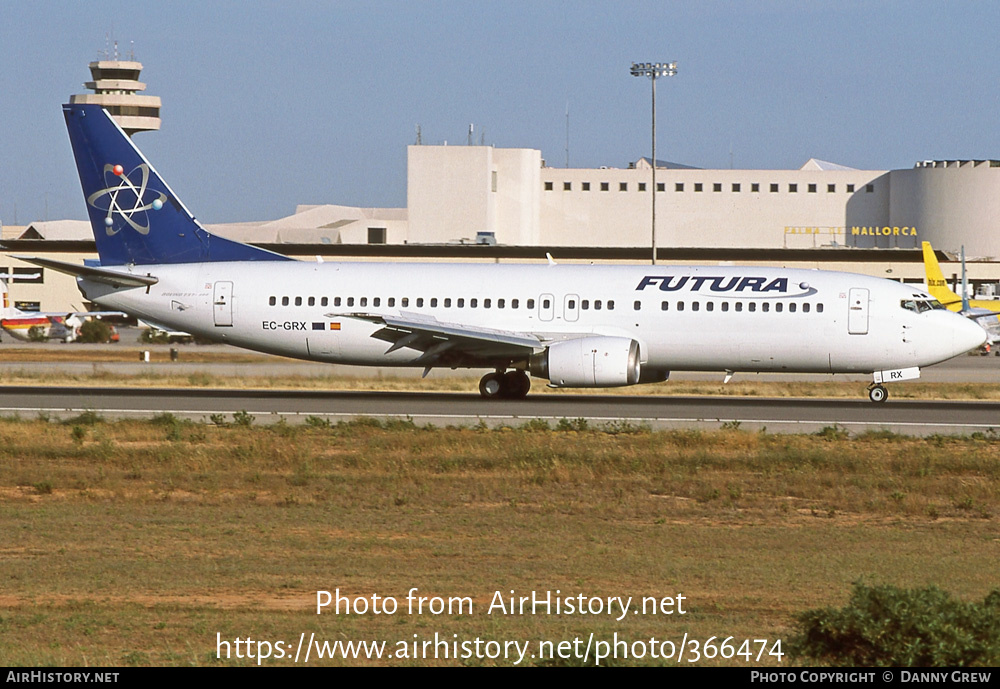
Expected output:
(454, 193)
(489, 203)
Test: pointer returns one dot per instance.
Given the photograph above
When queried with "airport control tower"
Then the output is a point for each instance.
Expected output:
(116, 85)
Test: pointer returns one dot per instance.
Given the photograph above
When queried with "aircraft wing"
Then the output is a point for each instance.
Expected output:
(442, 342)
(986, 313)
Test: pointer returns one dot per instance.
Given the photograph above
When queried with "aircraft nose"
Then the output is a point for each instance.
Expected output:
(967, 335)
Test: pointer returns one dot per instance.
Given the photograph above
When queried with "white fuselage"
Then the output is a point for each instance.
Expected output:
(684, 318)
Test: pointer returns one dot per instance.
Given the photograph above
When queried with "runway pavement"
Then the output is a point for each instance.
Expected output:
(777, 415)
(268, 406)
(962, 369)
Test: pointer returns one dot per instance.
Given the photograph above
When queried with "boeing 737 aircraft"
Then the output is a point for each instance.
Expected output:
(984, 312)
(575, 326)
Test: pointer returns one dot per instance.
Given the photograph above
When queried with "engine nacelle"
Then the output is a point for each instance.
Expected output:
(589, 362)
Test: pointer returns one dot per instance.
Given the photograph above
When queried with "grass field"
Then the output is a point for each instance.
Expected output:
(136, 543)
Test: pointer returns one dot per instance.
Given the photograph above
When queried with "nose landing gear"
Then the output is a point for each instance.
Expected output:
(510, 385)
(877, 393)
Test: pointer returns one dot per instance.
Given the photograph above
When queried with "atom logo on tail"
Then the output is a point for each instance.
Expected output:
(126, 199)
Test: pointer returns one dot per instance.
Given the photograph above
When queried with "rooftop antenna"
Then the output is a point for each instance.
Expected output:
(420, 141)
(470, 135)
(567, 134)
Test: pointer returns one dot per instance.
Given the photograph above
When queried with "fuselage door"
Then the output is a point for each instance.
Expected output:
(571, 308)
(857, 311)
(222, 301)
(546, 307)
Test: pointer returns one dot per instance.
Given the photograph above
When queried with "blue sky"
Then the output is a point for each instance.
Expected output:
(268, 105)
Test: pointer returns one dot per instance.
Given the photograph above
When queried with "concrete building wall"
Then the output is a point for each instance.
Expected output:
(953, 204)
(518, 177)
(714, 208)
(449, 193)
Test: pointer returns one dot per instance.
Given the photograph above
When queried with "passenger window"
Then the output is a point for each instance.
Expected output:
(363, 301)
(324, 301)
(752, 306)
(461, 303)
(298, 301)
(709, 306)
(513, 303)
(664, 306)
(805, 308)
(695, 306)
(611, 304)
(597, 305)
(791, 307)
(819, 308)
(585, 304)
(447, 302)
(546, 304)
(350, 301)
(739, 306)
(500, 303)
(377, 301)
(420, 302)
(680, 306)
(636, 305)
(778, 307)
(765, 307)
(488, 302)
(336, 301)
(392, 301)
(572, 304)
(725, 306)
(434, 302)
(405, 302)
(312, 301)
(272, 301)
(473, 303)
(531, 303)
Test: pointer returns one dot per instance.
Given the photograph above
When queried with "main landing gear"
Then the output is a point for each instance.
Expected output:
(510, 385)
(877, 393)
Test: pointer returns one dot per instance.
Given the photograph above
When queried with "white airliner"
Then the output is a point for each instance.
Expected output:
(576, 326)
(23, 325)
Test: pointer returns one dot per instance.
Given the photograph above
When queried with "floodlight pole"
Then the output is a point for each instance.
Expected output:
(654, 71)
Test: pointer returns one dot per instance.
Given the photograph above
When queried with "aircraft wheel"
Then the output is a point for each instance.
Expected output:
(878, 394)
(491, 385)
(515, 385)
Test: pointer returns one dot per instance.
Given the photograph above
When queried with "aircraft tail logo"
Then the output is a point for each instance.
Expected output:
(936, 283)
(135, 216)
(127, 199)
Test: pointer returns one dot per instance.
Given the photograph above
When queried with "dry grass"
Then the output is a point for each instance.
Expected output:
(136, 542)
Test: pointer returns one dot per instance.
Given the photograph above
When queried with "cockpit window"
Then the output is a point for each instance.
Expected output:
(921, 305)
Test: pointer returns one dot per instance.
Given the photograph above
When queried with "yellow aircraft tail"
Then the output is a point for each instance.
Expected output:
(936, 284)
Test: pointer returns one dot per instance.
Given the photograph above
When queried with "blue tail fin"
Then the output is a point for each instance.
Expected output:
(135, 216)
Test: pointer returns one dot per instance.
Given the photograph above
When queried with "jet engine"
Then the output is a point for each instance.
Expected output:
(589, 362)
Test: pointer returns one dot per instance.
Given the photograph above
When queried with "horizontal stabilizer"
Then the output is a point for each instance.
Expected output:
(102, 275)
